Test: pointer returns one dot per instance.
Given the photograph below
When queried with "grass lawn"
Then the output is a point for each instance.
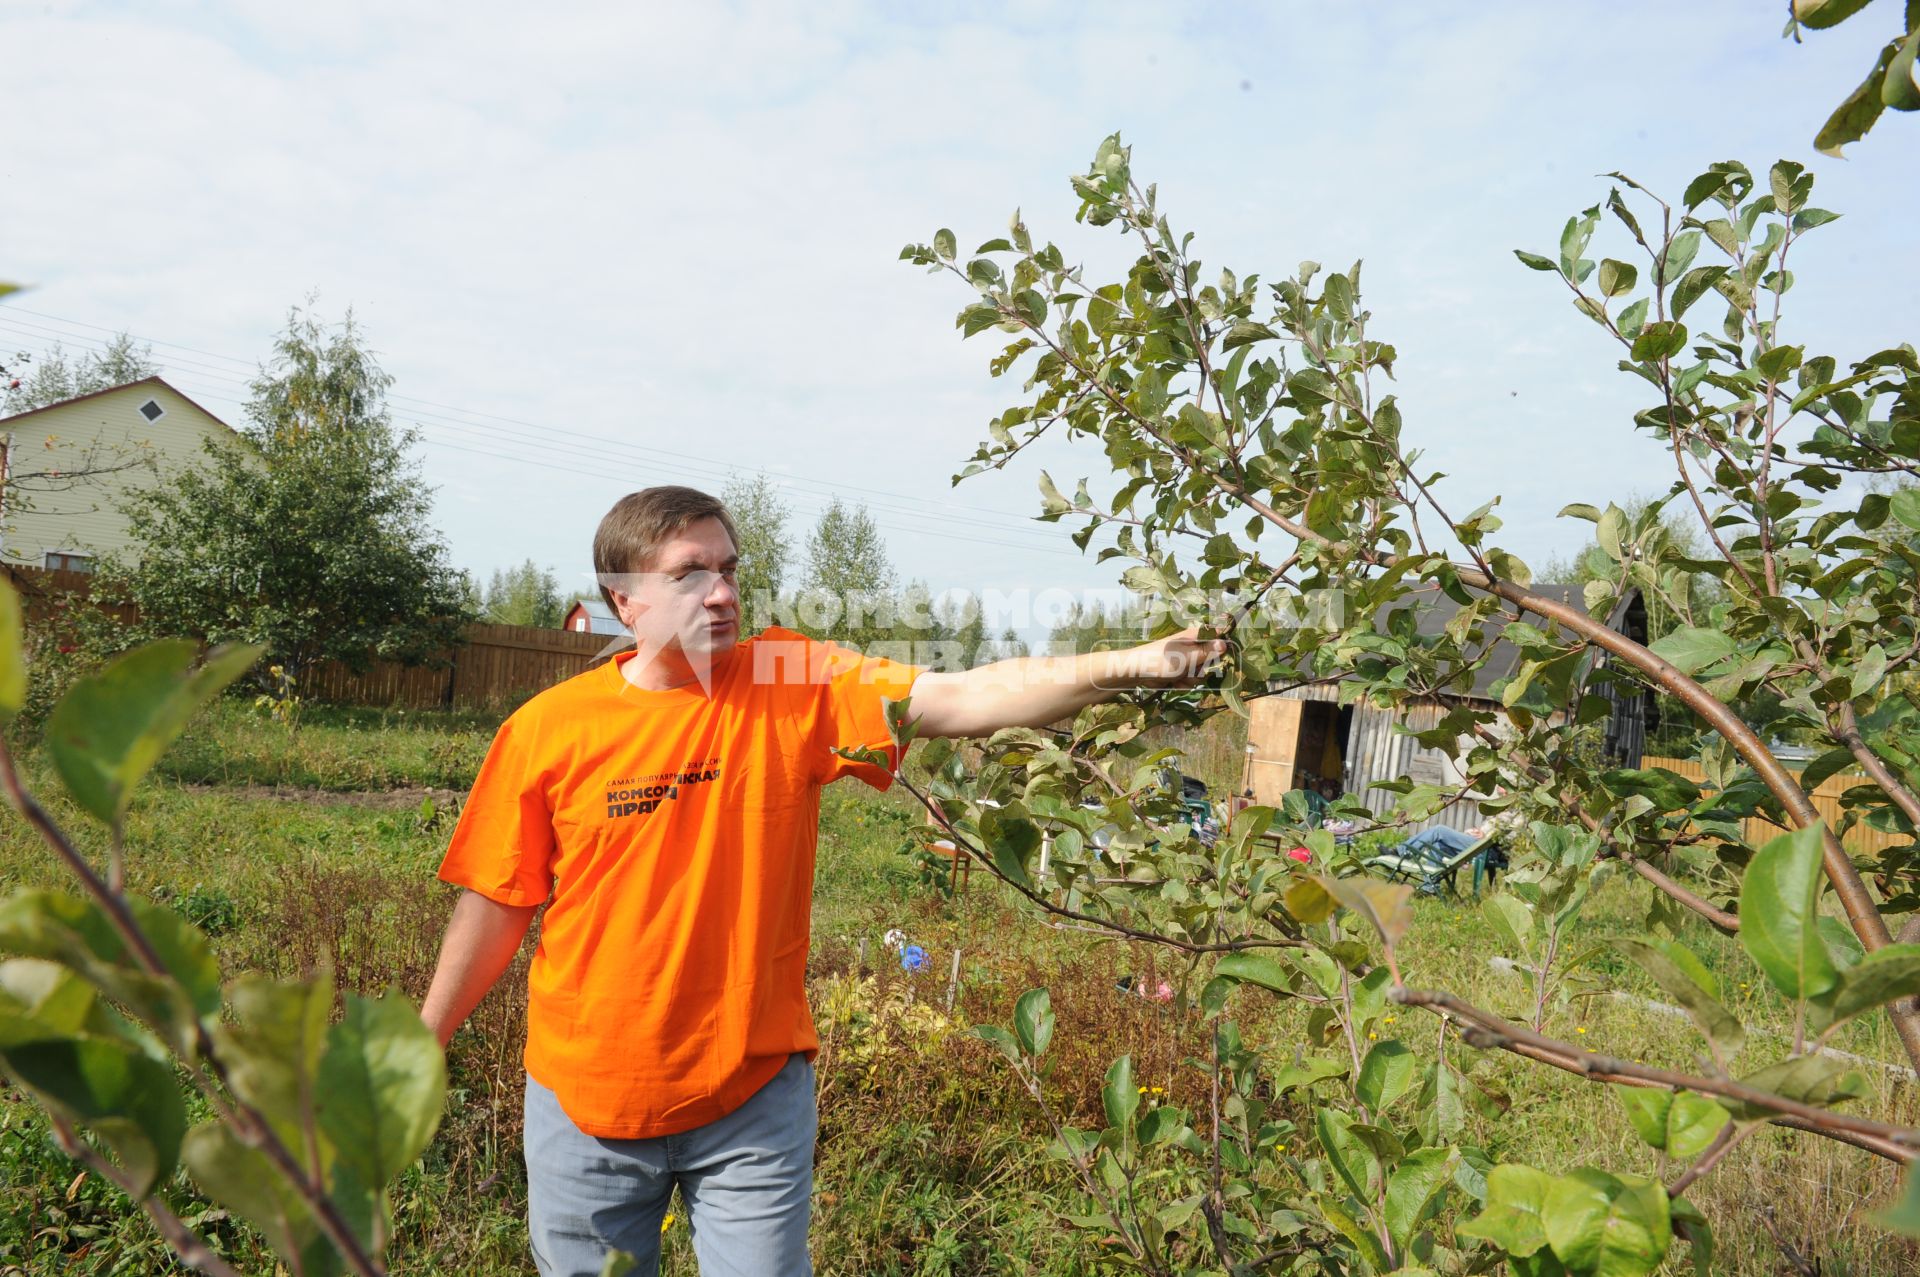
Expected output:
(295, 850)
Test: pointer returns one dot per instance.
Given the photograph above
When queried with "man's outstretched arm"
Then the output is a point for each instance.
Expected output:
(1032, 691)
(482, 937)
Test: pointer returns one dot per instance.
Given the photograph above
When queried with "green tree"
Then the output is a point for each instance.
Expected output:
(846, 592)
(1093, 626)
(963, 623)
(760, 520)
(54, 377)
(1264, 403)
(309, 535)
(524, 595)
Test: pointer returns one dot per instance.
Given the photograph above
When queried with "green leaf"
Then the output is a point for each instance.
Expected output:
(1387, 906)
(245, 1182)
(1680, 254)
(1809, 1079)
(382, 1082)
(1694, 285)
(1777, 364)
(1617, 278)
(1808, 218)
(1691, 649)
(1012, 840)
(1691, 1227)
(1607, 1225)
(273, 1049)
(1386, 1074)
(1420, 1175)
(1535, 260)
(1245, 333)
(1362, 1239)
(999, 1038)
(944, 244)
(1339, 296)
(111, 1087)
(1904, 505)
(1349, 1156)
(1886, 975)
(1686, 980)
(1857, 113)
(1821, 14)
(1512, 922)
(1779, 914)
(1307, 901)
(1897, 87)
(1162, 1125)
(1255, 968)
(1511, 1216)
(1679, 1124)
(1903, 1216)
(1661, 339)
(1693, 1123)
(72, 931)
(1033, 1021)
(1647, 1112)
(113, 726)
(1120, 1097)
(13, 658)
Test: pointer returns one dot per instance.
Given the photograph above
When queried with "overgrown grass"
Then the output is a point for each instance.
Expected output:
(930, 1158)
(335, 747)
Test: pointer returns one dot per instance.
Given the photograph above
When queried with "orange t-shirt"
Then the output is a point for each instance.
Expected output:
(675, 833)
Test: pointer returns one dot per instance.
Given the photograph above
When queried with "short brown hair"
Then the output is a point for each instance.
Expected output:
(631, 532)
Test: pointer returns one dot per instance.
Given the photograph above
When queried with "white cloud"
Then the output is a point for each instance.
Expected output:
(674, 227)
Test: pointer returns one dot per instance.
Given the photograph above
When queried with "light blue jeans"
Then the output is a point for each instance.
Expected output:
(1439, 842)
(746, 1180)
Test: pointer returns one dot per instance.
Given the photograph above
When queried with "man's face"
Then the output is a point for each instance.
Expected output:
(685, 604)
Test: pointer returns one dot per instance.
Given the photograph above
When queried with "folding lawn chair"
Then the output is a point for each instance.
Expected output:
(1433, 873)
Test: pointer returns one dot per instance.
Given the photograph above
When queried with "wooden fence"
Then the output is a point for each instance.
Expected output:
(1826, 800)
(497, 664)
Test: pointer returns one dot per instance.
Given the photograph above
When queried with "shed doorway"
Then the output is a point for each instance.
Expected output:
(1296, 744)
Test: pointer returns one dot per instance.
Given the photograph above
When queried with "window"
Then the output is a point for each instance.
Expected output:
(152, 411)
(64, 561)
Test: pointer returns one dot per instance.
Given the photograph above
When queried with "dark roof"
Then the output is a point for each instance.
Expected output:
(95, 394)
(1433, 609)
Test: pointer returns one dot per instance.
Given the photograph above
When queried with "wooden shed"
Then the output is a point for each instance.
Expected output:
(1305, 737)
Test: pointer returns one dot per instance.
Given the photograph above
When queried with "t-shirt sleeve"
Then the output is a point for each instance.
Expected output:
(503, 845)
(852, 712)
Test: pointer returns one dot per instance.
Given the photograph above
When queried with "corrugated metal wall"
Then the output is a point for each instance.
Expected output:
(1376, 751)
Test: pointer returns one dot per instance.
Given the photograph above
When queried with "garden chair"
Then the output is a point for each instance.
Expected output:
(1433, 873)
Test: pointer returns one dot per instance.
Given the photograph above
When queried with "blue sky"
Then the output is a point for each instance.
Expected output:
(603, 246)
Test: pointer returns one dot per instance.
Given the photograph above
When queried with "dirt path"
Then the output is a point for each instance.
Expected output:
(378, 799)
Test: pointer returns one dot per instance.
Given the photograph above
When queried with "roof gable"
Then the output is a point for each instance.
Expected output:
(111, 390)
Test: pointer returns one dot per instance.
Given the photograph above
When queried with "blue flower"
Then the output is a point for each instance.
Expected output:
(912, 958)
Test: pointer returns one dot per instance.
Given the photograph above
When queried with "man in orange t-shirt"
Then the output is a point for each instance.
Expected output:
(665, 808)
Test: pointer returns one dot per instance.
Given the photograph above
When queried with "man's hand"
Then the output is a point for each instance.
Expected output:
(1179, 660)
(1033, 691)
(482, 937)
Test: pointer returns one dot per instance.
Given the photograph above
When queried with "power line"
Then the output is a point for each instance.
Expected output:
(919, 500)
(804, 501)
